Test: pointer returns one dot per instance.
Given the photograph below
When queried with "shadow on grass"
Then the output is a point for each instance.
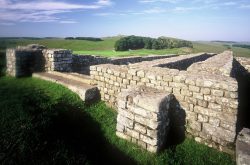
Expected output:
(85, 136)
(35, 129)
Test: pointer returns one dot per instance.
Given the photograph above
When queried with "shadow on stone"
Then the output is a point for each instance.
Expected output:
(243, 79)
(177, 130)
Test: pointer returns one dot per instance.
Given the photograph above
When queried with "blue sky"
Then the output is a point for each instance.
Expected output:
(191, 20)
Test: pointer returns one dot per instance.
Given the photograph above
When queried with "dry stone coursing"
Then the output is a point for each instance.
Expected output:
(209, 100)
(221, 64)
(245, 62)
(23, 61)
(81, 63)
(143, 117)
(58, 60)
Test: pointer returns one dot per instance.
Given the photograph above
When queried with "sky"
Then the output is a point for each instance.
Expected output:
(186, 19)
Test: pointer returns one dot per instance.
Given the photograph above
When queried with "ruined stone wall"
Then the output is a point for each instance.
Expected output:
(58, 60)
(81, 63)
(208, 100)
(23, 61)
(143, 117)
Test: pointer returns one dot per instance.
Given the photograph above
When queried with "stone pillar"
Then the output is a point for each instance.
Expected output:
(143, 117)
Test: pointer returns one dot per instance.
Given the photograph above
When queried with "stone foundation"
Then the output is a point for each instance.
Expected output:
(143, 117)
(23, 61)
(209, 100)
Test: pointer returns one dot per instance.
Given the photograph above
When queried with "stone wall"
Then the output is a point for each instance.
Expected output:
(58, 60)
(23, 61)
(82, 63)
(210, 101)
(143, 117)
(243, 147)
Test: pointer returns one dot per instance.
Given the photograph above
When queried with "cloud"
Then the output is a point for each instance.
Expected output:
(245, 6)
(104, 2)
(43, 11)
(152, 1)
(68, 22)
(230, 3)
(155, 10)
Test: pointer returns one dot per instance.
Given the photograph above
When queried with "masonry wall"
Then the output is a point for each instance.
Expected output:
(23, 61)
(209, 101)
(82, 63)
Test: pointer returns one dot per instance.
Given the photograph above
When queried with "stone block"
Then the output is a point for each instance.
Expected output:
(123, 136)
(194, 125)
(202, 103)
(132, 133)
(215, 107)
(125, 121)
(148, 140)
(205, 91)
(140, 128)
(194, 88)
(126, 113)
(141, 73)
(218, 93)
(202, 118)
(198, 96)
(219, 132)
(214, 121)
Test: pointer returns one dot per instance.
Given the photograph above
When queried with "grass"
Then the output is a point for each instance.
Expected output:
(45, 123)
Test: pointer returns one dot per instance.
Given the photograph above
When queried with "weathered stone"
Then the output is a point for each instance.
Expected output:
(215, 107)
(140, 128)
(151, 148)
(243, 147)
(202, 118)
(198, 96)
(202, 103)
(125, 121)
(123, 136)
(218, 93)
(219, 132)
(214, 121)
(194, 88)
(148, 140)
(205, 91)
(194, 125)
(132, 133)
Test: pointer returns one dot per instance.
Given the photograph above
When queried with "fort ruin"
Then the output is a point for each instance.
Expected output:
(204, 94)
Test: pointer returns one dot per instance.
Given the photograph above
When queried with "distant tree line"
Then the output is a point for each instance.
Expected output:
(137, 42)
(84, 38)
(241, 46)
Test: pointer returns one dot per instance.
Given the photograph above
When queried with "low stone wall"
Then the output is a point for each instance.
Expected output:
(209, 101)
(143, 117)
(23, 61)
(81, 63)
(221, 65)
(245, 62)
(58, 60)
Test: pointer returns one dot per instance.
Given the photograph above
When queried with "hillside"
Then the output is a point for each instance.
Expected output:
(106, 47)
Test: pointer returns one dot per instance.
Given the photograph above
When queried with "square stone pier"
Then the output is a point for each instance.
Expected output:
(143, 117)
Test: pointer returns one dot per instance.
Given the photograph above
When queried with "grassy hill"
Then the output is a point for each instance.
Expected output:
(106, 47)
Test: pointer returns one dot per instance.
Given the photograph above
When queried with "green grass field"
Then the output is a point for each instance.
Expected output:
(106, 47)
(45, 123)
